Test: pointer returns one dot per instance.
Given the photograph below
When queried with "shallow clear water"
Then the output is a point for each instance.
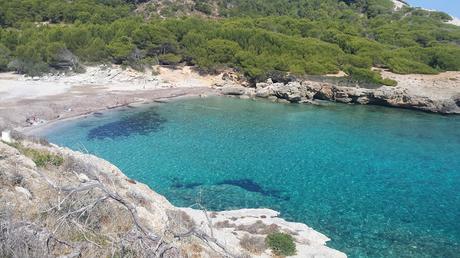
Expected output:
(380, 182)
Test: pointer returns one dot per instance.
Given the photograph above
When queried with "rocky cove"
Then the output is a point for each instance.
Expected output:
(222, 237)
(83, 206)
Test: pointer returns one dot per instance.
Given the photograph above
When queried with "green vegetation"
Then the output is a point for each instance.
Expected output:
(256, 37)
(41, 158)
(281, 244)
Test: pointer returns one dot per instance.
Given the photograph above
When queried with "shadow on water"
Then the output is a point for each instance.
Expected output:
(251, 186)
(176, 183)
(245, 184)
(141, 123)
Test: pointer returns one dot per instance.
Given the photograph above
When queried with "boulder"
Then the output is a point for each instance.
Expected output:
(363, 100)
(344, 100)
(325, 93)
(262, 93)
(290, 92)
(261, 85)
(244, 97)
(235, 91)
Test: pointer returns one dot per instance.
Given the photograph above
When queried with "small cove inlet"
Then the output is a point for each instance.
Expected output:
(380, 182)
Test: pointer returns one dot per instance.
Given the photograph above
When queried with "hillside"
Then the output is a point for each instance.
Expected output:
(257, 38)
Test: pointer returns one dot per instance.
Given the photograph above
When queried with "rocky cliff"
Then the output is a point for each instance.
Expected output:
(310, 91)
(55, 202)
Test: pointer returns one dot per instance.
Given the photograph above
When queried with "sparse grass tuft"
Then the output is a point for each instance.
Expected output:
(259, 228)
(254, 244)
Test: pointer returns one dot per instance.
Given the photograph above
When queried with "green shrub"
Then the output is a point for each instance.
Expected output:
(169, 59)
(203, 7)
(29, 67)
(364, 75)
(404, 66)
(121, 49)
(359, 61)
(281, 244)
(41, 158)
(4, 57)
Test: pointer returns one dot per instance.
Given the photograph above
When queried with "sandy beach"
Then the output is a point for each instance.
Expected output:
(29, 103)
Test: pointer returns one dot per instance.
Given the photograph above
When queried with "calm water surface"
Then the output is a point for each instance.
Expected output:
(380, 182)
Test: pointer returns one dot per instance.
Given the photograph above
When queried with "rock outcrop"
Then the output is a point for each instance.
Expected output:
(309, 91)
(55, 202)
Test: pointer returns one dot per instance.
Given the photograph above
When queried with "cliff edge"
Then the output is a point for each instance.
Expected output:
(55, 202)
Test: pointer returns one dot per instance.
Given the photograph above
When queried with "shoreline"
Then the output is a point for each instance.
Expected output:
(439, 94)
(70, 100)
(26, 104)
(29, 103)
(37, 129)
(78, 101)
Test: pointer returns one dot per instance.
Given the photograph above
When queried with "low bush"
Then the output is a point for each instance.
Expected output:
(404, 66)
(169, 59)
(41, 158)
(363, 75)
(281, 244)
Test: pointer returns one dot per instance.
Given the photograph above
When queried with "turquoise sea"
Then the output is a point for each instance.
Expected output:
(380, 182)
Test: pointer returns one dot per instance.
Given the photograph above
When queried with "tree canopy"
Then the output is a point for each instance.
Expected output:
(255, 37)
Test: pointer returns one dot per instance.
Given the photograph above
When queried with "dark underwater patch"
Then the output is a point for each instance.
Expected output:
(251, 186)
(176, 183)
(141, 123)
(246, 184)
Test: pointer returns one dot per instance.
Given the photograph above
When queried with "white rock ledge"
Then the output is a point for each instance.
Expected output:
(309, 243)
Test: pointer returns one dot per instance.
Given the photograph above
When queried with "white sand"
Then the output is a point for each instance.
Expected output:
(438, 86)
(26, 101)
(16, 87)
(101, 79)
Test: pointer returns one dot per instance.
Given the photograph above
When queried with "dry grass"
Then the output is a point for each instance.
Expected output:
(180, 222)
(259, 228)
(224, 224)
(254, 244)
(192, 250)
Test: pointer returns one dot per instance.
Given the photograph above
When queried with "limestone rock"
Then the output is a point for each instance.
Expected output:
(232, 225)
(23, 191)
(262, 93)
(235, 91)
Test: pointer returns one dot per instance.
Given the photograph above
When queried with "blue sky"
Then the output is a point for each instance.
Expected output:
(451, 7)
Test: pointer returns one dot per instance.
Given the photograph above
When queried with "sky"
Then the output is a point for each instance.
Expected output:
(451, 7)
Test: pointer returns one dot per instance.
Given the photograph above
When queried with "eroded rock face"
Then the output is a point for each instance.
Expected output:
(308, 91)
